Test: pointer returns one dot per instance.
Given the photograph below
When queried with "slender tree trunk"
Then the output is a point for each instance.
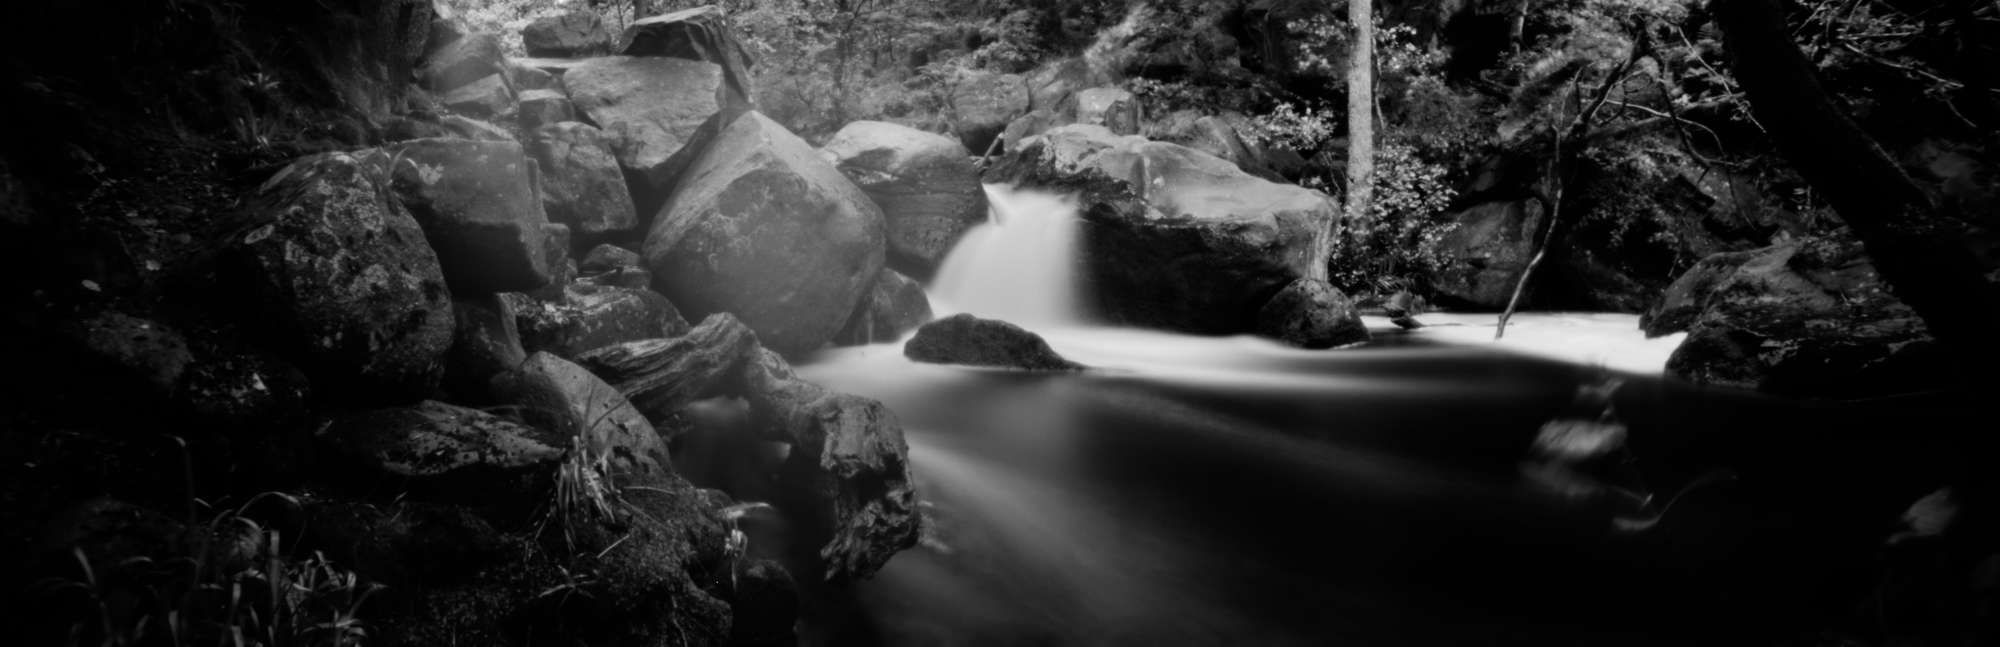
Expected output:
(1360, 130)
(1925, 255)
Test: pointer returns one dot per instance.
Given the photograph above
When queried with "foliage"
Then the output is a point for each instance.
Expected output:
(1399, 244)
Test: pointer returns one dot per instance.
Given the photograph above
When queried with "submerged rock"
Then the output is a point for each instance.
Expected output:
(1309, 313)
(764, 228)
(965, 339)
(1175, 238)
(925, 184)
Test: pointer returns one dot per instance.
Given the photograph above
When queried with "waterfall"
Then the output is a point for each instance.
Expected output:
(1018, 266)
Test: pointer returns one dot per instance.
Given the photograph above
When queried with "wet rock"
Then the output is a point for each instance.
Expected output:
(589, 317)
(572, 34)
(764, 228)
(1687, 298)
(662, 375)
(608, 257)
(486, 343)
(482, 98)
(336, 269)
(894, 305)
(544, 107)
(1805, 318)
(477, 204)
(1490, 245)
(1309, 313)
(697, 34)
(925, 184)
(1112, 108)
(969, 340)
(983, 104)
(848, 473)
(650, 109)
(566, 400)
(463, 61)
(765, 605)
(1174, 238)
(582, 186)
(444, 452)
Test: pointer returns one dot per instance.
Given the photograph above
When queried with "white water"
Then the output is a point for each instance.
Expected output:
(1019, 266)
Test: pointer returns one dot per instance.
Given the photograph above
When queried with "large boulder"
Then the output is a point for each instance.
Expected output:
(1218, 135)
(575, 33)
(1112, 108)
(589, 317)
(336, 269)
(925, 184)
(538, 108)
(565, 400)
(485, 343)
(847, 477)
(477, 204)
(766, 229)
(485, 97)
(1489, 245)
(894, 305)
(697, 34)
(662, 375)
(462, 61)
(983, 104)
(1174, 238)
(1804, 318)
(650, 109)
(613, 265)
(444, 452)
(972, 341)
(581, 184)
(1309, 313)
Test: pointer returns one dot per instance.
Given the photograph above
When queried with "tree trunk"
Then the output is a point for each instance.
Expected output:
(1926, 256)
(1360, 124)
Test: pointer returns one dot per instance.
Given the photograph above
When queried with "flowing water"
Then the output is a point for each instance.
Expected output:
(1230, 491)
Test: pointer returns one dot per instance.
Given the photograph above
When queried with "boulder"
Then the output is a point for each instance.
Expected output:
(589, 317)
(526, 77)
(564, 399)
(486, 343)
(485, 97)
(1687, 297)
(764, 228)
(544, 107)
(468, 128)
(1028, 126)
(698, 34)
(462, 61)
(925, 183)
(1489, 245)
(662, 375)
(972, 341)
(336, 269)
(1218, 135)
(894, 305)
(847, 477)
(983, 104)
(476, 201)
(1309, 313)
(562, 268)
(1804, 318)
(582, 186)
(572, 34)
(611, 265)
(443, 452)
(1053, 85)
(1112, 108)
(203, 380)
(650, 109)
(1174, 238)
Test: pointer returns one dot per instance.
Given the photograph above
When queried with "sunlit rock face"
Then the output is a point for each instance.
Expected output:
(764, 228)
(1174, 238)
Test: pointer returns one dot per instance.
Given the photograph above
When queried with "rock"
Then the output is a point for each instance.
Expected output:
(983, 104)
(925, 184)
(562, 269)
(334, 267)
(1489, 245)
(1028, 126)
(473, 129)
(589, 317)
(1054, 84)
(1217, 135)
(663, 375)
(1309, 313)
(446, 453)
(894, 305)
(477, 204)
(1805, 319)
(848, 473)
(972, 341)
(528, 77)
(202, 380)
(555, 67)
(396, 129)
(482, 98)
(564, 399)
(581, 183)
(650, 109)
(764, 228)
(765, 605)
(608, 257)
(1112, 108)
(698, 34)
(1174, 238)
(575, 33)
(463, 61)
(486, 343)
(401, 544)
(545, 107)
(1687, 298)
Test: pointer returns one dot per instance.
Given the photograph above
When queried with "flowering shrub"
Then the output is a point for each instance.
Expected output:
(1398, 246)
